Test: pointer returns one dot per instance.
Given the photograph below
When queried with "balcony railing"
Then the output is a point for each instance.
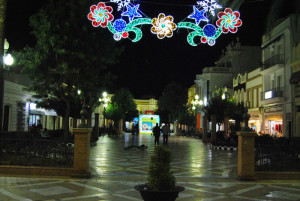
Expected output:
(272, 93)
(276, 59)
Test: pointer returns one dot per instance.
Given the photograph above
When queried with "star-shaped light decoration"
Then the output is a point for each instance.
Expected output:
(132, 12)
(198, 15)
(209, 6)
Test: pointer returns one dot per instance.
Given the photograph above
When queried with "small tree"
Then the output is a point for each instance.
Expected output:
(160, 176)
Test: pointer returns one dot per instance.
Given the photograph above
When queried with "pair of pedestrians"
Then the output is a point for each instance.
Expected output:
(166, 132)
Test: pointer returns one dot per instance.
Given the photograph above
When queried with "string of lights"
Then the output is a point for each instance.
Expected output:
(163, 26)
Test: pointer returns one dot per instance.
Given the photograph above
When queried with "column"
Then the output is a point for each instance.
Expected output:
(204, 137)
(81, 152)
(246, 155)
(213, 128)
(226, 126)
(97, 124)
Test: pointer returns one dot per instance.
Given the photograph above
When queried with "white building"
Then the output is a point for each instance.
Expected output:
(19, 114)
(211, 79)
(276, 96)
(235, 59)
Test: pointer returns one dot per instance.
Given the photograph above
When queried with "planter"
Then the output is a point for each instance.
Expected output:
(149, 195)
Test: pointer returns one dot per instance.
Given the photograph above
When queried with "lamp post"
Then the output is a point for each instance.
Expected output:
(83, 111)
(7, 60)
(105, 100)
(246, 118)
(196, 103)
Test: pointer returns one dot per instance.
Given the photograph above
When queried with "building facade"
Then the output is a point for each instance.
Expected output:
(276, 97)
(295, 82)
(19, 113)
(145, 106)
(235, 58)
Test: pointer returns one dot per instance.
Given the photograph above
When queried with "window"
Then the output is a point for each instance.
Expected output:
(33, 118)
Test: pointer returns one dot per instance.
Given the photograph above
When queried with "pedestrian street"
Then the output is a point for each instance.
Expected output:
(206, 175)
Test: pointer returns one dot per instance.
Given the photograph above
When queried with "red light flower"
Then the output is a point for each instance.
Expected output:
(100, 15)
(229, 21)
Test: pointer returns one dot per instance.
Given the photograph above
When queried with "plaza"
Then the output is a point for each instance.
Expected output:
(206, 174)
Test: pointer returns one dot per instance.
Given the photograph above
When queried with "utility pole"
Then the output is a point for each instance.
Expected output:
(2, 27)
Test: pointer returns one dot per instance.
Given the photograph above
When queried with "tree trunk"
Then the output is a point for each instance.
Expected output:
(2, 27)
(89, 118)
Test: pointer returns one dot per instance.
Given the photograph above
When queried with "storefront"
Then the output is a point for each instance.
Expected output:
(255, 121)
(273, 121)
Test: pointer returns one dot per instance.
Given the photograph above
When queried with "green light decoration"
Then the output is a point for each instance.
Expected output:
(131, 27)
(198, 31)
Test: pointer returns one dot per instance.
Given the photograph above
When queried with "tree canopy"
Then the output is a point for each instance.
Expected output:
(122, 106)
(222, 104)
(69, 55)
(172, 103)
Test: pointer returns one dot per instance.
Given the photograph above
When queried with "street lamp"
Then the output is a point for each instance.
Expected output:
(196, 103)
(7, 60)
(105, 100)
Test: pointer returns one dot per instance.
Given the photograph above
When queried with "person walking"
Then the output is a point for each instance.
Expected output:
(156, 133)
(166, 132)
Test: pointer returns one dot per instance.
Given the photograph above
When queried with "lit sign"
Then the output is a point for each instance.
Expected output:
(268, 94)
(147, 122)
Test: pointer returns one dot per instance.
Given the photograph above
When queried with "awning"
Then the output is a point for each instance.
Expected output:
(295, 78)
(36, 112)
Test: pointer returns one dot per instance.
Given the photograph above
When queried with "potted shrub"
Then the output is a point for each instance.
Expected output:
(161, 181)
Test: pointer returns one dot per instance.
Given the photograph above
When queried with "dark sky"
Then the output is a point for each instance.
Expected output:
(148, 65)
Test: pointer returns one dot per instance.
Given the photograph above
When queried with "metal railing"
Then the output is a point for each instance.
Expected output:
(272, 93)
(35, 152)
(276, 59)
(277, 154)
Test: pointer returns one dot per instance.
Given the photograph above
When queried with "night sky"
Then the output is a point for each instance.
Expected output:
(148, 65)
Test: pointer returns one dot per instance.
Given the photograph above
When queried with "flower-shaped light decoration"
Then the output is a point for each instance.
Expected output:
(163, 26)
(100, 15)
(229, 21)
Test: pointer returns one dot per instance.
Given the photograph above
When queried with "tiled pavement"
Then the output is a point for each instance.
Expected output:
(206, 175)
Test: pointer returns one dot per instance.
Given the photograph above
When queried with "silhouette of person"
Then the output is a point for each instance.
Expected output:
(156, 133)
(166, 132)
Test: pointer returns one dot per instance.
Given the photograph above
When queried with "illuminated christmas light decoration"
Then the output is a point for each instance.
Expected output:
(117, 36)
(121, 3)
(163, 26)
(211, 41)
(229, 21)
(123, 33)
(120, 25)
(209, 6)
(198, 15)
(100, 15)
(209, 30)
(132, 12)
